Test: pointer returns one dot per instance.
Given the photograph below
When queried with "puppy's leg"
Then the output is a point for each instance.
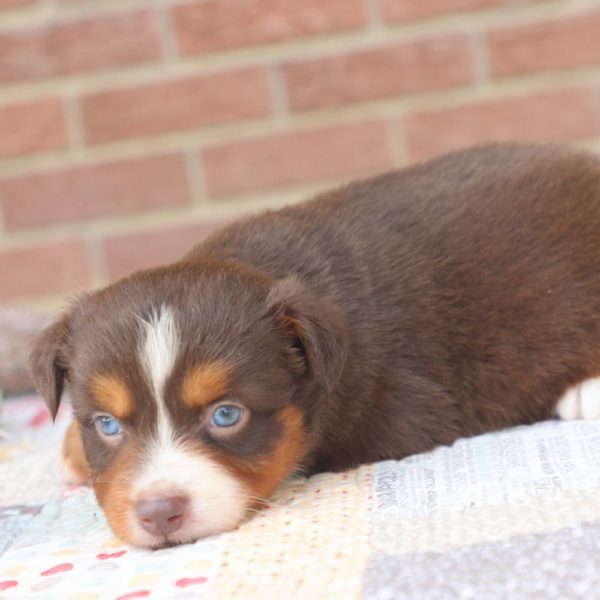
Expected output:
(581, 401)
(74, 464)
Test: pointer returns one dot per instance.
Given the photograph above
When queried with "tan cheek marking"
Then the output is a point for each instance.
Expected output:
(113, 488)
(113, 396)
(264, 476)
(205, 384)
(74, 455)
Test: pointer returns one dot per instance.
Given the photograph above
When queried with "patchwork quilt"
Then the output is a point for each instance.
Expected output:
(514, 514)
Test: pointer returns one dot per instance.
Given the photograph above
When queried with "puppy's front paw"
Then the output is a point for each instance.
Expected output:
(581, 401)
(74, 464)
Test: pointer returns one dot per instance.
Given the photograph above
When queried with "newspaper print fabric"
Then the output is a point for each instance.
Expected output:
(514, 514)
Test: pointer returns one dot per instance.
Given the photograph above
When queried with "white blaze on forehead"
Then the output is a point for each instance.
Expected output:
(159, 348)
(158, 352)
(218, 500)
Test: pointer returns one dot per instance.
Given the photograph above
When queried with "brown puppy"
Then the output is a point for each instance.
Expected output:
(380, 320)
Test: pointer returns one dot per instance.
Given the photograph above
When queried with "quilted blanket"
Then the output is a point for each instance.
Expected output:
(515, 514)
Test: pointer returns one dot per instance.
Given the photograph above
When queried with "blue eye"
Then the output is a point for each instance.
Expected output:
(226, 415)
(108, 425)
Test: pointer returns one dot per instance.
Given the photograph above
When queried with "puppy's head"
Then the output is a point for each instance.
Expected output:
(196, 388)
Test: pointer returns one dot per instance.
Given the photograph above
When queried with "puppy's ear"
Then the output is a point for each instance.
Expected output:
(47, 363)
(315, 328)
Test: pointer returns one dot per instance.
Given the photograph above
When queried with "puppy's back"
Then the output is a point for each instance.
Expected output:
(473, 280)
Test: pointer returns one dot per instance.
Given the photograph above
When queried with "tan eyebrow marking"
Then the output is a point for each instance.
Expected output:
(113, 396)
(205, 384)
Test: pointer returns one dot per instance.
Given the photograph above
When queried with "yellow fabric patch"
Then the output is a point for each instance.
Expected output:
(13, 571)
(66, 552)
(112, 543)
(144, 579)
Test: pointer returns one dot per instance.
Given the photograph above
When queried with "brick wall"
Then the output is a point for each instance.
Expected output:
(131, 128)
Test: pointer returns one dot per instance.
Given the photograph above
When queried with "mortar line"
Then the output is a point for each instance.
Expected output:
(168, 40)
(195, 176)
(74, 120)
(481, 56)
(97, 260)
(374, 17)
(279, 96)
(397, 142)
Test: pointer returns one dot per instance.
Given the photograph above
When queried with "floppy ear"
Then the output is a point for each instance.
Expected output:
(47, 363)
(316, 329)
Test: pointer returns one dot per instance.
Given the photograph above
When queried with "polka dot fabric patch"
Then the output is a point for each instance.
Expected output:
(69, 552)
(314, 535)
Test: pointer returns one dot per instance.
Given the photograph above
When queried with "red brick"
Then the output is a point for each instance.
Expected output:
(85, 3)
(15, 3)
(78, 47)
(548, 46)
(540, 117)
(301, 157)
(32, 126)
(93, 192)
(176, 105)
(45, 269)
(407, 68)
(133, 251)
(408, 10)
(216, 25)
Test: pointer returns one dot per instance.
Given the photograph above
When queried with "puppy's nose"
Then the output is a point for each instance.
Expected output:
(161, 516)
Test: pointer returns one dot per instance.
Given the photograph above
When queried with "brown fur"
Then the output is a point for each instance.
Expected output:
(113, 490)
(74, 455)
(379, 320)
